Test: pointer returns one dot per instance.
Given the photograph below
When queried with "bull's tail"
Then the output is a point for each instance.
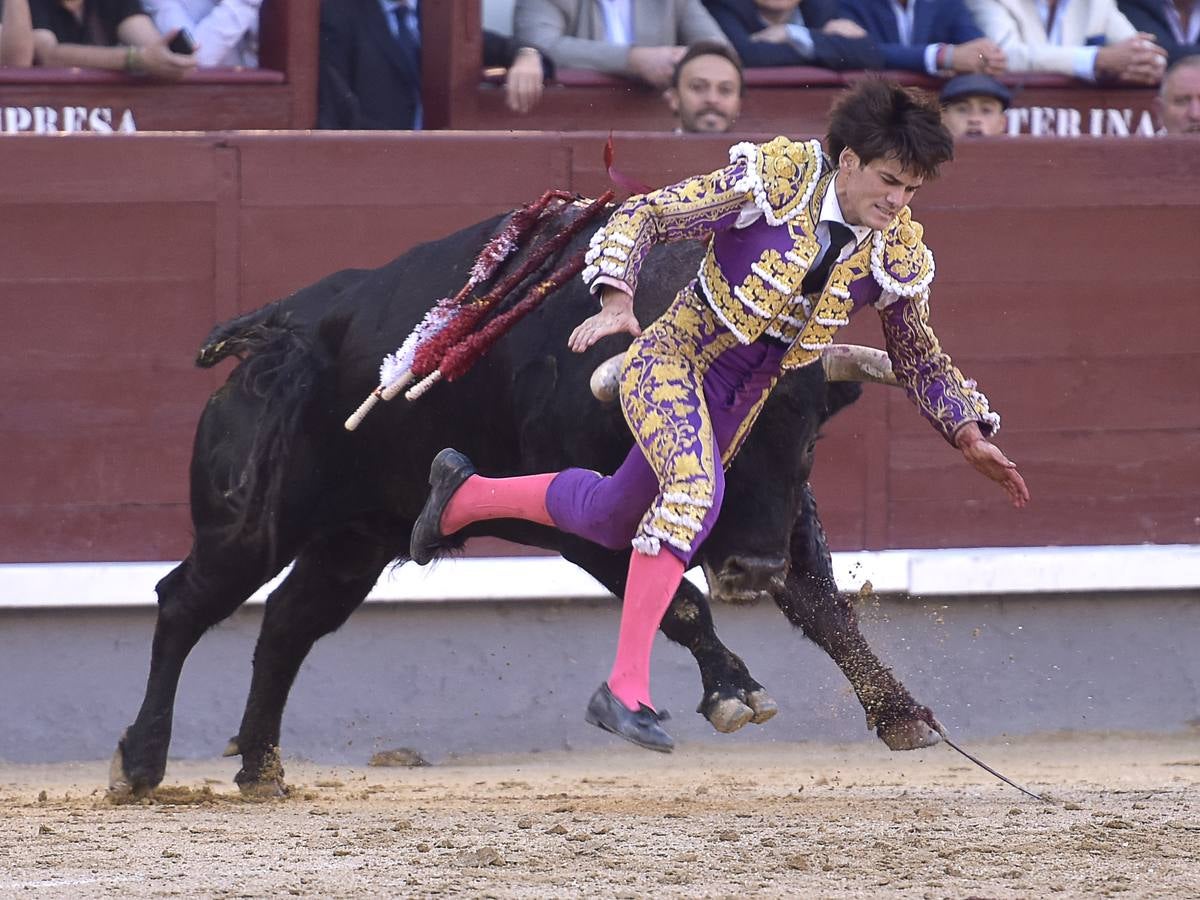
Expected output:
(281, 370)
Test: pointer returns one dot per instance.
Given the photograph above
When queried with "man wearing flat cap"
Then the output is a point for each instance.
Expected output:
(974, 106)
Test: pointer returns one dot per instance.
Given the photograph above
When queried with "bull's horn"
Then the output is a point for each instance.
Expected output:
(853, 362)
(842, 362)
(606, 378)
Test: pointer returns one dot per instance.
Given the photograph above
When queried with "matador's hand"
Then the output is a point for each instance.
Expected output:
(616, 315)
(988, 460)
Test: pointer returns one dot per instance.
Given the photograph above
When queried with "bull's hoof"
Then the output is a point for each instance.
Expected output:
(119, 785)
(122, 785)
(727, 714)
(912, 734)
(231, 749)
(763, 705)
(266, 789)
(262, 777)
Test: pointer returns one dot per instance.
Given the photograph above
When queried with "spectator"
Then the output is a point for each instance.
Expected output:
(370, 65)
(795, 33)
(1175, 24)
(225, 31)
(16, 35)
(527, 70)
(1179, 97)
(1088, 39)
(930, 36)
(638, 40)
(706, 90)
(104, 34)
(973, 106)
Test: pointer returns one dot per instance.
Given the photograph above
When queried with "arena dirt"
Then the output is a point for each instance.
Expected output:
(795, 820)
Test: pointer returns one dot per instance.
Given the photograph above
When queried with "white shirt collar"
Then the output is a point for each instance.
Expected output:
(831, 211)
(618, 21)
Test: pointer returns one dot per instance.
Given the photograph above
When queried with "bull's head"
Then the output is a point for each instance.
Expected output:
(746, 556)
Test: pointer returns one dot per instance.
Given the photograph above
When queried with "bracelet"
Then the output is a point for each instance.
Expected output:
(133, 60)
(525, 51)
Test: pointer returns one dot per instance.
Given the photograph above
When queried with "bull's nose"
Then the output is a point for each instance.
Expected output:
(758, 572)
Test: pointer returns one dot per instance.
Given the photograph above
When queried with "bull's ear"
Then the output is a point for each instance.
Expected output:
(841, 394)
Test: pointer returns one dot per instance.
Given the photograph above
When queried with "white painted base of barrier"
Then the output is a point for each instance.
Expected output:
(993, 570)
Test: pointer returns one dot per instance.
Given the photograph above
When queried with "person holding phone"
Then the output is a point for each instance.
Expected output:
(224, 32)
(116, 35)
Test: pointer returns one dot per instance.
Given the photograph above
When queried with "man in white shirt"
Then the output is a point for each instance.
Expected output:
(1088, 39)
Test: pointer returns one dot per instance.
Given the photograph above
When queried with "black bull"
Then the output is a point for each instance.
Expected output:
(275, 478)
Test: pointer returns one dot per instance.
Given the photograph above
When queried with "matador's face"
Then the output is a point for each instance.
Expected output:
(872, 194)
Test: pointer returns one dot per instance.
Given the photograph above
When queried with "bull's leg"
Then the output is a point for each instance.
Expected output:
(810, 600)
(731, 697)
(191, 599)
(330, 578)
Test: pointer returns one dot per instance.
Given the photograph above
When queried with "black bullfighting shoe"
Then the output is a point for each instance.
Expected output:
(605, 711)
(447, 472)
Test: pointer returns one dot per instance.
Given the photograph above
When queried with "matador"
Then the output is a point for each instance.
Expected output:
(797, 242)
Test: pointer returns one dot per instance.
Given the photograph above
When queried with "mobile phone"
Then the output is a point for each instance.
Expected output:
(182, 43)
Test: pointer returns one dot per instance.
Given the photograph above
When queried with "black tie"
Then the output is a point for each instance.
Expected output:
(814, 281)
(406, 27)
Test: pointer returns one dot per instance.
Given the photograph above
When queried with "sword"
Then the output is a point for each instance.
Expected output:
(945, 737)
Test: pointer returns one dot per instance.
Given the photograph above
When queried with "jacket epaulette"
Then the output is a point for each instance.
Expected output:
(900, 261)
(781, 175)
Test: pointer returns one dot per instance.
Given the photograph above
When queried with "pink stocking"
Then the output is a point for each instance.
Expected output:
(478, 498)
(648, 591)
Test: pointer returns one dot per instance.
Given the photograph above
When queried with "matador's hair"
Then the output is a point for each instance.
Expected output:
(879, 119)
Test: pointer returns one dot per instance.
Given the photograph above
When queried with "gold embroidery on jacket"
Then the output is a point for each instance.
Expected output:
(662, 398)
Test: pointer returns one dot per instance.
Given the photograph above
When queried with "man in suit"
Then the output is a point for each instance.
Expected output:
(1175, 24)
(929, 36)
(1088, 39)
(370, 64)
(643, 40)
(795, 33)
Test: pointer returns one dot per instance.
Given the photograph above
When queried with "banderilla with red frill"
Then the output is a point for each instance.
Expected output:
(447, 342)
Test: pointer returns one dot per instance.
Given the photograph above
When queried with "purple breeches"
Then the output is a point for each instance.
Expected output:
(675, 501)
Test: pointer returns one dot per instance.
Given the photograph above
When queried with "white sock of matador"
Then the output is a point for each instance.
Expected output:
(651, 584)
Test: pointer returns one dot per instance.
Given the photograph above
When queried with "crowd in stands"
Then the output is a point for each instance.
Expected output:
(694, 51)
(370, 50)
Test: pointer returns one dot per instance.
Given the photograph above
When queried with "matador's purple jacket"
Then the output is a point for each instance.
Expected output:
(693, 383)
